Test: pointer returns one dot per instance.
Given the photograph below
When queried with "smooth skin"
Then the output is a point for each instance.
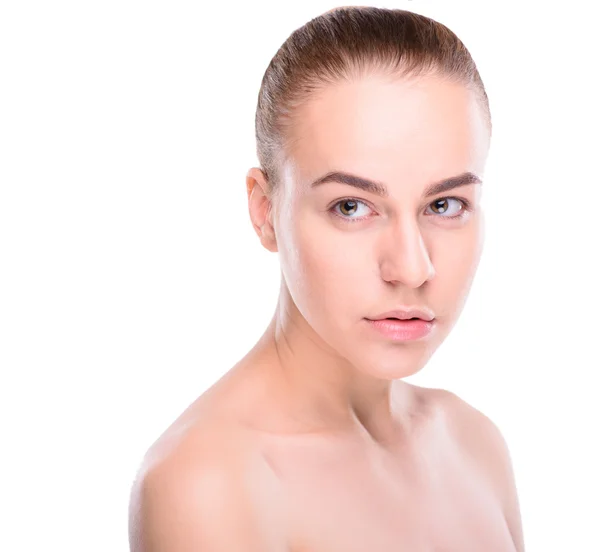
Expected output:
(313, 442)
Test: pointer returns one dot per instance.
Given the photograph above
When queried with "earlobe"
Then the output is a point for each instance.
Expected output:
(267, 231)
(268, 238)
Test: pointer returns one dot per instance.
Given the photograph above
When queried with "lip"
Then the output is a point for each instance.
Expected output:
(402, 330)
(405, 313)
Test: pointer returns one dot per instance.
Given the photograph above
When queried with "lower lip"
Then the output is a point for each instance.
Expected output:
(402, 330)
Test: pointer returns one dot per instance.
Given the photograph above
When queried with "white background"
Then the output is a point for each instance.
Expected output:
(131, 278)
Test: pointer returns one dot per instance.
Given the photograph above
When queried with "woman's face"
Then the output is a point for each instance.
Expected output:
(348, 253)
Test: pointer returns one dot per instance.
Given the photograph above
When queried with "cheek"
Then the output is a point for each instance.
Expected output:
(328, 275)
(326, 260)
(456, 261)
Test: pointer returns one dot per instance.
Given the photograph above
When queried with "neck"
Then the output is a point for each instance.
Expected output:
(322, 390)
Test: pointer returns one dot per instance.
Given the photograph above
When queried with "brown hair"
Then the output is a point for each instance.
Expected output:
(345, 43)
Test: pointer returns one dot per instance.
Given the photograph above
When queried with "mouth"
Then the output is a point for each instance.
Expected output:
(414, 318)
(406, 314)
(405, 329)
(405, 319)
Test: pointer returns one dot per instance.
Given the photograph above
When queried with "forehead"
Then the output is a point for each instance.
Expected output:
(417, 130)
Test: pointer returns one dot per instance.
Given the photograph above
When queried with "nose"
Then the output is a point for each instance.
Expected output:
(404, 257)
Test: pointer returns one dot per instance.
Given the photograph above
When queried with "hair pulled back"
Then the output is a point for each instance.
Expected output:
(344, 44)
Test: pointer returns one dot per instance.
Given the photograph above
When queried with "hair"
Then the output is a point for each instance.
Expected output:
(345, 44)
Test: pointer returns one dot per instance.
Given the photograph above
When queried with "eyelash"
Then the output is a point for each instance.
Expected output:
(466, 208)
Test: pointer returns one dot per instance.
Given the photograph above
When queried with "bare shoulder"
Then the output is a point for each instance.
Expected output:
(476, 436)
(206, 488)
(480, 440)
(474, 431)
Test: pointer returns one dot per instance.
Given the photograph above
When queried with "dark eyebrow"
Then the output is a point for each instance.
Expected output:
(380, 189)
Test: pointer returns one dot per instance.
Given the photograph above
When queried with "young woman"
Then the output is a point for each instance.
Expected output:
(373, 129)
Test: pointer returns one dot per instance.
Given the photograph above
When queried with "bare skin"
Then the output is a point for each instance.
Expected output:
(313, 442)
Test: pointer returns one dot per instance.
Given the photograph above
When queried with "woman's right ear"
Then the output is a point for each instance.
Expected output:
(260, 208)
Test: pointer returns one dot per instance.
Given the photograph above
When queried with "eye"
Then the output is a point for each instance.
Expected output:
(442, 205)
(347, 208)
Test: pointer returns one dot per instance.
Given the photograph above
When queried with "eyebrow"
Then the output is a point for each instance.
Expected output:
(380, 189)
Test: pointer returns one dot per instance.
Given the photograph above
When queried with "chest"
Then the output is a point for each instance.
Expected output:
(352, 516)
(355, 503)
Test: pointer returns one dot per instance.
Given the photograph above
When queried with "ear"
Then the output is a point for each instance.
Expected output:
(261, 208)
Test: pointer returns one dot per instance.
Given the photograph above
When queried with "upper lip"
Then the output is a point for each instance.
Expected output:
(404, 313)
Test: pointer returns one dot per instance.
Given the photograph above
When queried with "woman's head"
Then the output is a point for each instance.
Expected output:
(395, 98)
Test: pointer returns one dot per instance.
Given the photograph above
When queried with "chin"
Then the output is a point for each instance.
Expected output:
(395, 366)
